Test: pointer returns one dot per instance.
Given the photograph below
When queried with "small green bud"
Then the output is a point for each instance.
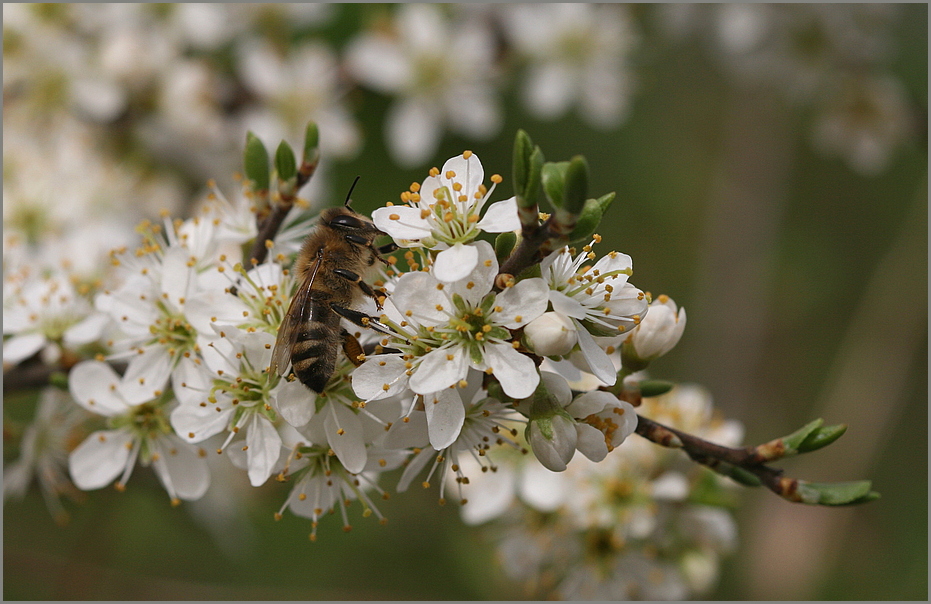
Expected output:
(554, 178)
(822, 437)
(794, 440)
(531, 195)
(311, 144)
(504, 245)
(255, 163)
(575, 191)
(650, 388)
(523, 148)
(285, 164)
(590, 218)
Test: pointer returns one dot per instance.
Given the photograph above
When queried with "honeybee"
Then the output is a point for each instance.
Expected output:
(330, 266)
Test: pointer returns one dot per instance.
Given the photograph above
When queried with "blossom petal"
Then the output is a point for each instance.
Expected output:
(468, 170)
(479, 282)
(146, 375)
(93, 384)
(178, 276)
(540, 488)
(413, 130)
(264, 449)
(455, 263)
(182, 469)
(522, 303)
(402, 222)
(98, 460)
(405, 435)
(440, 369)
(348, 445)
(370, 378)
(417, 292)
(417, 463)
(558, 387)
(497, 493)
(20, 348)
(500, 217)
(445, 416)
(191, 381)
(295, 402)
(86, 331)
(598, 360)
(549, 90)
(194, 423)
(379, 63)
(590, 403)
(516, 372)
(565, 305)
(591, 442)
(208, 308)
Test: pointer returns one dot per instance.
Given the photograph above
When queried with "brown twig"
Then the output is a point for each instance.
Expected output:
(268, 227)
(728, 461)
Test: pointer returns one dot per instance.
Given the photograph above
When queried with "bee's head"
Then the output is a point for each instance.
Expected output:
(346, 219)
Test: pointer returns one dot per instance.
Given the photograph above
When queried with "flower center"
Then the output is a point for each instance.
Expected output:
(173, 331)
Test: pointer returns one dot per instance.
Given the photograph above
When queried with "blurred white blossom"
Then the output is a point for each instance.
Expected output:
(441, 69)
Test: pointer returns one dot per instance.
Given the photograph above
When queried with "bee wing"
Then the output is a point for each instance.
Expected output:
(292, 322)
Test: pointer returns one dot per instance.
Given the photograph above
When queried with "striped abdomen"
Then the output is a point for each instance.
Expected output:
(314, 353)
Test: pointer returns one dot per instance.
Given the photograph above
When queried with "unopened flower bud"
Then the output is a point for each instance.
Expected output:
(553, 441)
(657, 334)
(551, 334)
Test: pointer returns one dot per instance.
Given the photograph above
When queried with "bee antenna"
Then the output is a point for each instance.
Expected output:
(349, 194)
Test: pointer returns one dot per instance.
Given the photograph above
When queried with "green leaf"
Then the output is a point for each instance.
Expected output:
(822, 437)
(255, 163)
(650, 388)
(575, 191)
(590, 218)
(792, 441)
(837, 493)
(554, 178)
(285, 164)
(504, 245)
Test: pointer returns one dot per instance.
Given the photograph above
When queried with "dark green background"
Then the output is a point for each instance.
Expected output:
(724, 206)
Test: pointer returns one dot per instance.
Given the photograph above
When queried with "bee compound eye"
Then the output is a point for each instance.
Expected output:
(346, 221)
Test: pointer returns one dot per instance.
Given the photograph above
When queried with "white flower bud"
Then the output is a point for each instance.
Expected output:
(551, 334)
(657, 333)
(553, 441)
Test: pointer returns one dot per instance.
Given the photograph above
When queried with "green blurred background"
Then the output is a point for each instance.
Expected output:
(806, 288)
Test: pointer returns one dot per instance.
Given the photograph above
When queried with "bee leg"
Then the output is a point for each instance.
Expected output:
(365, 287)
(362, 319)
(353, 349)
(387, 248)
(357, 239)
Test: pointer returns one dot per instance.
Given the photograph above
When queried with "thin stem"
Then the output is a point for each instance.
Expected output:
(728, 461)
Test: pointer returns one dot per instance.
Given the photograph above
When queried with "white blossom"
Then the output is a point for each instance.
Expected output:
(462, 325)
(441, 71)
(656, 334)
(597, 299)
(138, 432)
(576, 54)
(594, 423)
(444, 213)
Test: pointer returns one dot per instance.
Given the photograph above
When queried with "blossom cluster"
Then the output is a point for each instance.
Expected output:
(206, 74)
(466, 381)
